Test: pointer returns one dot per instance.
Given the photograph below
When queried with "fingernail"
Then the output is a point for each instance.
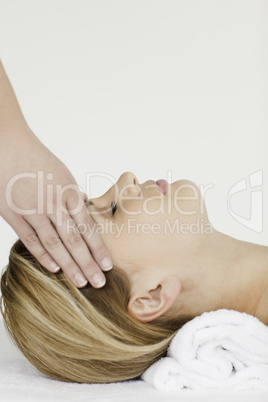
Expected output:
(98, 280)
(80, 279)
(55, 268)
(106, 264)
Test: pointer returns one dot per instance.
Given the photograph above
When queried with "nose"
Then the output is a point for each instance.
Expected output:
(129, 183)
(129, 177)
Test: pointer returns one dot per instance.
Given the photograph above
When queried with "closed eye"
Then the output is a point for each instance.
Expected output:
(113, 207)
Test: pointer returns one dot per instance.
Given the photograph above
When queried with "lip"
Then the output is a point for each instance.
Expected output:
(161, 185)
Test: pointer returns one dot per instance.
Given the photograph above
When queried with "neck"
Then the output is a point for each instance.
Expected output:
(225, 273)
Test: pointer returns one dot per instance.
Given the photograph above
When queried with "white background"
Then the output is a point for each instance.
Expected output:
(148, 87)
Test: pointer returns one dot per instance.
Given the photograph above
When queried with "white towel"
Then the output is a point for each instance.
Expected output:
(222, 349)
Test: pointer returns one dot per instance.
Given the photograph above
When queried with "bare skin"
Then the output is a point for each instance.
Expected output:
(42, 226)
(187, 272)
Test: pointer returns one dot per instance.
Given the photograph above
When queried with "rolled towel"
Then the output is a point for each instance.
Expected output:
(222, 349)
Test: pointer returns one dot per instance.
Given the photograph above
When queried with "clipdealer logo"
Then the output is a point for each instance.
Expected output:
(252, 188)
(134, 227)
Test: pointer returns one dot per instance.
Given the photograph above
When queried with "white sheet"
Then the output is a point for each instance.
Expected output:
(21, 382)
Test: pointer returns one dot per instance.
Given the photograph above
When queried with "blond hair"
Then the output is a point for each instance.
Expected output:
(78, 335)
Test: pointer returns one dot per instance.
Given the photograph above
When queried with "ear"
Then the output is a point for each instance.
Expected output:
(146, 305)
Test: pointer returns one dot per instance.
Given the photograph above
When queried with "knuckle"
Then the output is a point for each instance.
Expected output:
(74, 239)
(95, 240)
(43, 257)
(31, 240)
(91, 267)
(70, 268)
(93, 236)
(87, 267)
(53, 242)
(91, 241)
(90, 223)
(96, 245)
(102, 250)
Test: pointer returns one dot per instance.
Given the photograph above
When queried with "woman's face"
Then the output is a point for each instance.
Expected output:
(145, 225)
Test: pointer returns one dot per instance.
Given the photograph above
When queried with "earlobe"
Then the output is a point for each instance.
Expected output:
(147, 306)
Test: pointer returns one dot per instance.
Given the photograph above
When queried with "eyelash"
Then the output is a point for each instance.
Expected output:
(113, 207)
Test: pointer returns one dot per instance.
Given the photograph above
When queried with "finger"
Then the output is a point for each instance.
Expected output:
(84, 196)
(31, 241)
(53, 245)
(79, 251)
(98, 249)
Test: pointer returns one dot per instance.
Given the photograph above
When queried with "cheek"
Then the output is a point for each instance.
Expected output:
(187, 198)
(130, 208)
(142, 207)
(125, 248)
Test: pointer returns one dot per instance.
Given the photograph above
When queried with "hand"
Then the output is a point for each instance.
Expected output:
(40, 199)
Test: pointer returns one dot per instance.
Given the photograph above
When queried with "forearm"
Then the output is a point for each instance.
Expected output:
(11, 118)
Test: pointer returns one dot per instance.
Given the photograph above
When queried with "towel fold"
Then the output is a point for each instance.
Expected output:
(222, 349)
